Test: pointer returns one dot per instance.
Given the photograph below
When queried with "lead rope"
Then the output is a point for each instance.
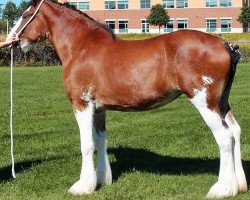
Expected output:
(11, 114)
(11, 93)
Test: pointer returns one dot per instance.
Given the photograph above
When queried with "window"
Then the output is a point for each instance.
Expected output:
(182, 24)
(123, 26)
(225, 3)
(109, 5)
(181, 3)
(211, 25)
(144, 26)
(169, 27)
(226, 25)
(168, 3)
(73, 4)
(111, 24)
(211, 3)
(122, 4)
(84, 5)
(145, 4)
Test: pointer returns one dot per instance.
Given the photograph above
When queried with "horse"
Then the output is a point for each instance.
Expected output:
(102, 72)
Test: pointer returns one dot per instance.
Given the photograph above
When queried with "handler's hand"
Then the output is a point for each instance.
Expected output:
(9, 42)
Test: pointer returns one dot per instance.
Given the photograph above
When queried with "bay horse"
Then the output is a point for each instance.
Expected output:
(102, 72)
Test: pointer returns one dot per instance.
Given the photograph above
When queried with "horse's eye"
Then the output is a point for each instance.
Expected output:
(26, 14)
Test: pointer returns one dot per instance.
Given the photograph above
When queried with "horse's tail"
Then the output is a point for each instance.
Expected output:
(235, 56)
(234, 52)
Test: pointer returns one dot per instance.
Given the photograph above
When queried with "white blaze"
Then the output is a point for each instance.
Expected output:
(13, 31)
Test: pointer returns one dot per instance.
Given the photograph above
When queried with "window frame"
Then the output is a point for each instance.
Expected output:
(74, 3)
(145, 26)
(108, 24)
(108, 6)
(169, 29)
(228, 3)
(85, 3)
(120, 30)
(122, 2)
(209, 5)
(166, 3)
(185, 24)
(181, 3)
(144, 4)
(210, 29)
(228, 29)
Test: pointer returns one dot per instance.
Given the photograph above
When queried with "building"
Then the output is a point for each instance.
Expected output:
(129, 16)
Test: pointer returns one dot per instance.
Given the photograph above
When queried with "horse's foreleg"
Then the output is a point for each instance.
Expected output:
(103, 170)
(235, 128)
(227, 182)
(87, 182)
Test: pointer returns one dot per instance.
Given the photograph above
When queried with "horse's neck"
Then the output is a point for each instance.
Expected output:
(67, 31)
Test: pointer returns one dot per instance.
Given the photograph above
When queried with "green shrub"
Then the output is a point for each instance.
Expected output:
(245, 49)
(40, 54)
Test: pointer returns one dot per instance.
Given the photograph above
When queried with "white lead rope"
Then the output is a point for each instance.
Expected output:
(11, 90)
(11, 115)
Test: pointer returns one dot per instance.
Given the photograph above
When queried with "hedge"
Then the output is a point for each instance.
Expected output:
(40, 54)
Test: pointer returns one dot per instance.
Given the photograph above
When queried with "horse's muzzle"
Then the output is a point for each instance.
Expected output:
(24, 45)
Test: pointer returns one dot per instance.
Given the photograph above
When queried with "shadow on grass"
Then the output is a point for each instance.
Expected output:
(129, 159)
(5, 172)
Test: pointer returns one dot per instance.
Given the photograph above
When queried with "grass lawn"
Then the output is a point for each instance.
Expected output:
(167, 153)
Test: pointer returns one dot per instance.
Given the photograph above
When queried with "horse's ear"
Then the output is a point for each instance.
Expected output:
(35, 2)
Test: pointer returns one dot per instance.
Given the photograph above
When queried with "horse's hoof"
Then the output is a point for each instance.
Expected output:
(81, 188)
(221, 190)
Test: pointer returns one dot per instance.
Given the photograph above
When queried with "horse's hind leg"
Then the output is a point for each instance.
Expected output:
(210, 111)
(103, 170)
(235, 128)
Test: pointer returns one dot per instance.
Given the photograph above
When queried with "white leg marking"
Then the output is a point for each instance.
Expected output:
(87, 182)
(227, 183)
(103, 169)
(235, 128)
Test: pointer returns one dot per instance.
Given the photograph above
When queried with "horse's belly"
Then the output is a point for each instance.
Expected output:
(144, 104)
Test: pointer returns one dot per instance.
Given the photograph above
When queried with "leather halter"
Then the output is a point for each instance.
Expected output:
(27, 23)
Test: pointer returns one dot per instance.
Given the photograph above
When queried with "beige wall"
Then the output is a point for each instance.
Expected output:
(202, 4)
(96, 5)
(135, 4)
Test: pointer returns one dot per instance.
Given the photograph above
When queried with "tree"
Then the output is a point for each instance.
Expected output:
(158, 16)
(244, 17)
(10, 13)
(22, 7)
(1, 10)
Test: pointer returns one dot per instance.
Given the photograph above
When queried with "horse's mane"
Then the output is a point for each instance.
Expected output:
(73, 8)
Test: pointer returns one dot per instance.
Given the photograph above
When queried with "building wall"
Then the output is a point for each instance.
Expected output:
(196, 14)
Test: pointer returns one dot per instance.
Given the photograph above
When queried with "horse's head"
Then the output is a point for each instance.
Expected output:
(31, 26)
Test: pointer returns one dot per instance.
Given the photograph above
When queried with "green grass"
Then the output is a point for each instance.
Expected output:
(167, 153)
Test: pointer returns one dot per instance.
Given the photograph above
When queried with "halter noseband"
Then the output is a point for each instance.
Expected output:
(27, 23)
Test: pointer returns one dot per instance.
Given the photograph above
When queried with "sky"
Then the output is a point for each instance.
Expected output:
(17, 2)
